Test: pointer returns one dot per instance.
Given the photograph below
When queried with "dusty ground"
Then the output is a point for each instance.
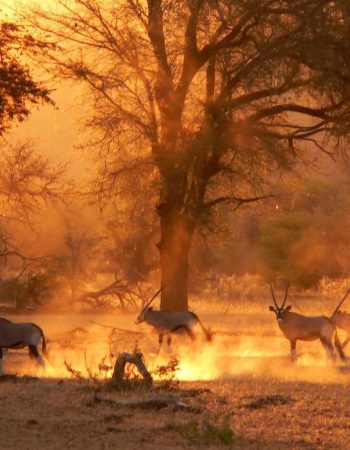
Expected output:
(248, 396)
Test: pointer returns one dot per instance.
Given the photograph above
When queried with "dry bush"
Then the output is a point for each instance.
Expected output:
(333, 288)
(233, 288)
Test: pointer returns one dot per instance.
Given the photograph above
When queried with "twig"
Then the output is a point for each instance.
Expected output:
(121, 330)
(91, 375)
(149, 403)
(76, 373)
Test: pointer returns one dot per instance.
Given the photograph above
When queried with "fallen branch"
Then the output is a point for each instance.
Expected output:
(15, 378)
(121, 330)
(78, 330)
(136, 360)
(149, 403)
(8, 377)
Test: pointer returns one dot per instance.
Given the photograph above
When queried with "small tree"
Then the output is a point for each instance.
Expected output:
(204, 99)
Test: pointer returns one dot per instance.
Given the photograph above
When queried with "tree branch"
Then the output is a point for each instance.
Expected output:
(157, 38)
(239, 200)
(321, 113)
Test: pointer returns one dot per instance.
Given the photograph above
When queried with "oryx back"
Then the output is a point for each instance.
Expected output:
(169, 321)
(342, 320)
(306, 328)
(18, 335)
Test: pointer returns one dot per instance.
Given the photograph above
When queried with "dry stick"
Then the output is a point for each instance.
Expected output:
(76, 373)
(78, 330)
(91, 375)
(121, 330)
(8, 377)
(224, 333)
(149, 403)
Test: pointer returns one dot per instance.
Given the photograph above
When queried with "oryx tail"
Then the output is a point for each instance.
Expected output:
(43, 348)
(338, 346)
(208, 334)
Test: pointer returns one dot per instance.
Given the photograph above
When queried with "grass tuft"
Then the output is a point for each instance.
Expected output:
(269, 400)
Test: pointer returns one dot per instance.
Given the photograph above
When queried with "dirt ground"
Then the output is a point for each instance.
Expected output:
(244, 391)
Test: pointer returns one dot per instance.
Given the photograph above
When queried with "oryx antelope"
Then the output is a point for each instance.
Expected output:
(305, 328)
(169, 322)
(19, 335)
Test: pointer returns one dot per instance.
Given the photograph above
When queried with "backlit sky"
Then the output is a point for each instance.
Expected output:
(54, 131)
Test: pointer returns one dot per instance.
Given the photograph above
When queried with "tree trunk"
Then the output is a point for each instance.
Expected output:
(176, 235)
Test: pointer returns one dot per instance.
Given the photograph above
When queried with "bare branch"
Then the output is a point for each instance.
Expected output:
(238, 200)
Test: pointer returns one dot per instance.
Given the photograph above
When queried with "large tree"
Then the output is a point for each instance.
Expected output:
(205, 99)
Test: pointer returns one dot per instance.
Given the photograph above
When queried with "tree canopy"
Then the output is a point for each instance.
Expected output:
(18, 88)
(204, 100)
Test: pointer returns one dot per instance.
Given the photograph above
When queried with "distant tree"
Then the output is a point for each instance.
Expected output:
(307, 238)
(18, 88)
(204, 99)
(77, 266)
(28, 183)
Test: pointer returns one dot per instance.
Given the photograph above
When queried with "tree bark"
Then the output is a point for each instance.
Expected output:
(176, 236)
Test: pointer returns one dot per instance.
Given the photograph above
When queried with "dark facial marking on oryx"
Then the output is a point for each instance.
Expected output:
(305, 328)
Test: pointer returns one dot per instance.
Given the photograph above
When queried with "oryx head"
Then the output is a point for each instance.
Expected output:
(280, 310)
(141, 317)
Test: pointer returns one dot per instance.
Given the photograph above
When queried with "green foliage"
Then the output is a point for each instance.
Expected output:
(277, 239)
(306, 238)
(211, 431)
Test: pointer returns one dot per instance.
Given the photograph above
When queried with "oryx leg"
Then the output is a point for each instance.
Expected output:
(293, 352)
(33, 353)
(345, 343)
(187, 329)
(328, 346)
(169, 341)
(190, 333)
(1, 367)
(160, 341)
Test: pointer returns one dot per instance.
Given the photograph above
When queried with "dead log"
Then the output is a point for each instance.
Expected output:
(149, 403)
(136, 360)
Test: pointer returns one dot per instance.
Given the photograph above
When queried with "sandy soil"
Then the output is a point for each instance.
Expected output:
(247, 392)
(52, 414)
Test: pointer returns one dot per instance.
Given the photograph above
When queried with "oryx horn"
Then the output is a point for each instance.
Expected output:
(285, 295)
(273, 296)
(154, 296)
(341, 302)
